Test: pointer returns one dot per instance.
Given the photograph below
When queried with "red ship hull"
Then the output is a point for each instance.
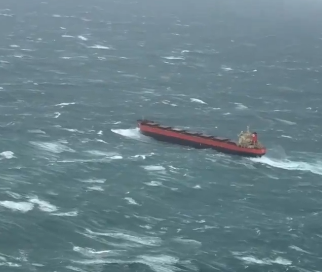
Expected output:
(197, 140)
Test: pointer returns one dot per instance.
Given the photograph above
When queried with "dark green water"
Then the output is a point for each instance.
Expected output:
(82, 190)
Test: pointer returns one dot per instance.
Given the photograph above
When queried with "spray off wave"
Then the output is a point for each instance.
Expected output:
(129, 133)
(132, 133)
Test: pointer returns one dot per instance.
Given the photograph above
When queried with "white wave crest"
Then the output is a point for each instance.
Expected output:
(82, 38)
(7, 154)
(65, 104)
(71, 213)
(43, 205)
(99, 47)
(254, 260)
(154, 183)
(154, 168)
(109, 155)
(17, 206)
(197, 100)
(240, 106)
(174, 58)
(131, 201)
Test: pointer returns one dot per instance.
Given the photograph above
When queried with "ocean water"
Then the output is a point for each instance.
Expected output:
(82, 190)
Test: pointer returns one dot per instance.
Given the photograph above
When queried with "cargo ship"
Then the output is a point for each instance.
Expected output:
(247, 144)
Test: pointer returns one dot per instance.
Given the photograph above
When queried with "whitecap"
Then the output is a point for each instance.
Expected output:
(110, 155)
(131, 201)
(154, 168)
(154, 183)
(67, 36)
(168, 63)
(161, 263)
(17, 206)
(174, 58)
(28, 50)
(116, 157)
(197, 100)
(71, 213)
(57, 114)
(43, 205)
(65, 104)
(299, 249)
(226, 68)
(253, 260)
(7, 154)
(100, 181)
(240, 106)
(37, 131)
(187, 241)
(95, 188)
(82, 38)
(72, 130)
(101, 141)
(89, 252)
(282, 261)
(143, 156)
(99, 47)
(140, 156)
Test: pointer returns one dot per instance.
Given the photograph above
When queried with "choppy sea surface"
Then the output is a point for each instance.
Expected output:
(82, 190)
